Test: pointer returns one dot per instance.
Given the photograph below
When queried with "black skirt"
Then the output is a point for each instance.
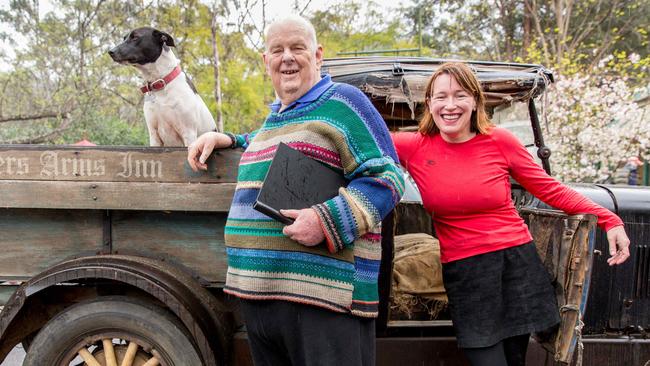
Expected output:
(497, 295)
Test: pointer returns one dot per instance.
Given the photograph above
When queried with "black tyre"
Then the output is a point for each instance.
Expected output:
(92, 331)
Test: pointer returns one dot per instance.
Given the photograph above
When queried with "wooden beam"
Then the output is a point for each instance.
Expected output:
(117, 195)
(112, 164)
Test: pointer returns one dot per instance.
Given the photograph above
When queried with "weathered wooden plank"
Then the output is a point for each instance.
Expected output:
(112, 164)
(194, 240)
(117, 195)
(32, 240)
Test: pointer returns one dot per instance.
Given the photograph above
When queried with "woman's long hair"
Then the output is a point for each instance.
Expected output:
(480, 123)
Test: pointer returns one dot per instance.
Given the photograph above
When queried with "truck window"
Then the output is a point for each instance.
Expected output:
(515, 118)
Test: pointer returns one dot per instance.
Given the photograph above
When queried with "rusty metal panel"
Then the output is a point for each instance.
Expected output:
(439, 351)
(615, 352)
(629, 298)
(421, 351)
(565, 245)
(5, 292)
(619, 299)
(407, 351)
(411, 217)
(33, 240)
(240, 351)
(192, 239)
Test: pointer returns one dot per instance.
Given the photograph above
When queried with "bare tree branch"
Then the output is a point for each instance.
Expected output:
(46, 137)
(609, 41)
(538, 27)
(304, 8)
(125, 99)
(586, 29)
(34, 117)
(216, 65)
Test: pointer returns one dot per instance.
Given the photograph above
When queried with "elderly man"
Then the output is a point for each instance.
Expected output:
(309, 290)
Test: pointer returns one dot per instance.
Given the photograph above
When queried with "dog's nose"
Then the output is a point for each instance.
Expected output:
(111, 52)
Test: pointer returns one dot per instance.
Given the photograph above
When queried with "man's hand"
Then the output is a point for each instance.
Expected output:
(619, 245)
(199, 150)
(306, 230)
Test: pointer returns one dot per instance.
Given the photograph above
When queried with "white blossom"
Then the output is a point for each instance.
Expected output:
(593, 127)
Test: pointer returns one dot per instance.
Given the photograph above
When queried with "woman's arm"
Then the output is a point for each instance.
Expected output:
(548, 189)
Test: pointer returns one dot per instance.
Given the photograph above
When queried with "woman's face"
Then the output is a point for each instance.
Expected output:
(451, 107)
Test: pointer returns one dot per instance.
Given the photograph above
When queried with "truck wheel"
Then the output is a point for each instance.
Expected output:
(113, 331)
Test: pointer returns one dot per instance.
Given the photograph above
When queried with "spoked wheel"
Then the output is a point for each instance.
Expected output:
(115, 352)
(113, 331)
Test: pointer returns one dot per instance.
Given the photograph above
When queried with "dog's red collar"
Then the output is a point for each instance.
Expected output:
(161, 83)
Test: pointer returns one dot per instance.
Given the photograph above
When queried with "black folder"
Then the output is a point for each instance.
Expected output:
(296, 181)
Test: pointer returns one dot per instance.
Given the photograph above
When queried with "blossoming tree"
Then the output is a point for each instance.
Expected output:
(593, 125)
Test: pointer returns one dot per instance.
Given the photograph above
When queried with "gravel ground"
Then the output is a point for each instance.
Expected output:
(15, 357)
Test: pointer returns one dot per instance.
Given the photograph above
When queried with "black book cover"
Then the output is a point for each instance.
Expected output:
(296, 181)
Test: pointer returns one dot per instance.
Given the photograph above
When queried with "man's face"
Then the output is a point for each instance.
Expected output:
(292, 61)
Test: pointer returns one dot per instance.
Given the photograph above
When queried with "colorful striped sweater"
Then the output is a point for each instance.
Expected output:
(343, 130)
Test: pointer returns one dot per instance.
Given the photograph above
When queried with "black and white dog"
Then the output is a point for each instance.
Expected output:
(174, 111)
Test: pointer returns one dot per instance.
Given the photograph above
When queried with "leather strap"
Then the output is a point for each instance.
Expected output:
(161, 83)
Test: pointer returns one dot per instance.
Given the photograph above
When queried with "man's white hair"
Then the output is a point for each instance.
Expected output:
(295, 20)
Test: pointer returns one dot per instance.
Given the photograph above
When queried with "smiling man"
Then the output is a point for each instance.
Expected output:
(309, 290)
(292, 59)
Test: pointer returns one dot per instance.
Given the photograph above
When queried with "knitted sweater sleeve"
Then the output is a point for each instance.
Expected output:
(244, 139)
(532, 177)
(369, 160)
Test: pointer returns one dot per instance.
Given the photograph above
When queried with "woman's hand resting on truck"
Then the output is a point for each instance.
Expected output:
(619, 245)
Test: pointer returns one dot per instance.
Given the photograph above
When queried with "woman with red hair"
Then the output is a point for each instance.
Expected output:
(499, 291)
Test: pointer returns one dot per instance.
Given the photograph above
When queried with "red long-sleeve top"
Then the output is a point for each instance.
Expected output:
(466, 189)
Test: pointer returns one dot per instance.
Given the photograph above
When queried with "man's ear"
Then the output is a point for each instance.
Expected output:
(164, 38)
(319, 56)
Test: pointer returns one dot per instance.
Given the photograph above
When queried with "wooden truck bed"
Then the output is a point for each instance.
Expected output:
(58, 203)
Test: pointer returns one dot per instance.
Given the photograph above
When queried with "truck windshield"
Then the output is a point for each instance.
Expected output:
(516, 119)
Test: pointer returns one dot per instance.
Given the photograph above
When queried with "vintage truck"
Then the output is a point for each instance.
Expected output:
(115, 255)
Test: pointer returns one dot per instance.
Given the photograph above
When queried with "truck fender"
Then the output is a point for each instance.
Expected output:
(208, 321)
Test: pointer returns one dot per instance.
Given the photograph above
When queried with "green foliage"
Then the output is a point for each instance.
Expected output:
(568, 36)
(339, 30)
(106, 130)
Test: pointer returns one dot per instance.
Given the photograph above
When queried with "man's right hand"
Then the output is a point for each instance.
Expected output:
(199, 150)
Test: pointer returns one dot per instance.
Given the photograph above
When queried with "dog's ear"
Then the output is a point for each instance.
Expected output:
(164, 38)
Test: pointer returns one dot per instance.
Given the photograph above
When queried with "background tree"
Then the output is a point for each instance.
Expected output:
(355, 26)
(593, 126)
(58, 70)
(64, 87)
(566, 35)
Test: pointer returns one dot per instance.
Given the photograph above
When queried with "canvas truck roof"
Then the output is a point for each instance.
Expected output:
(397, 85)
